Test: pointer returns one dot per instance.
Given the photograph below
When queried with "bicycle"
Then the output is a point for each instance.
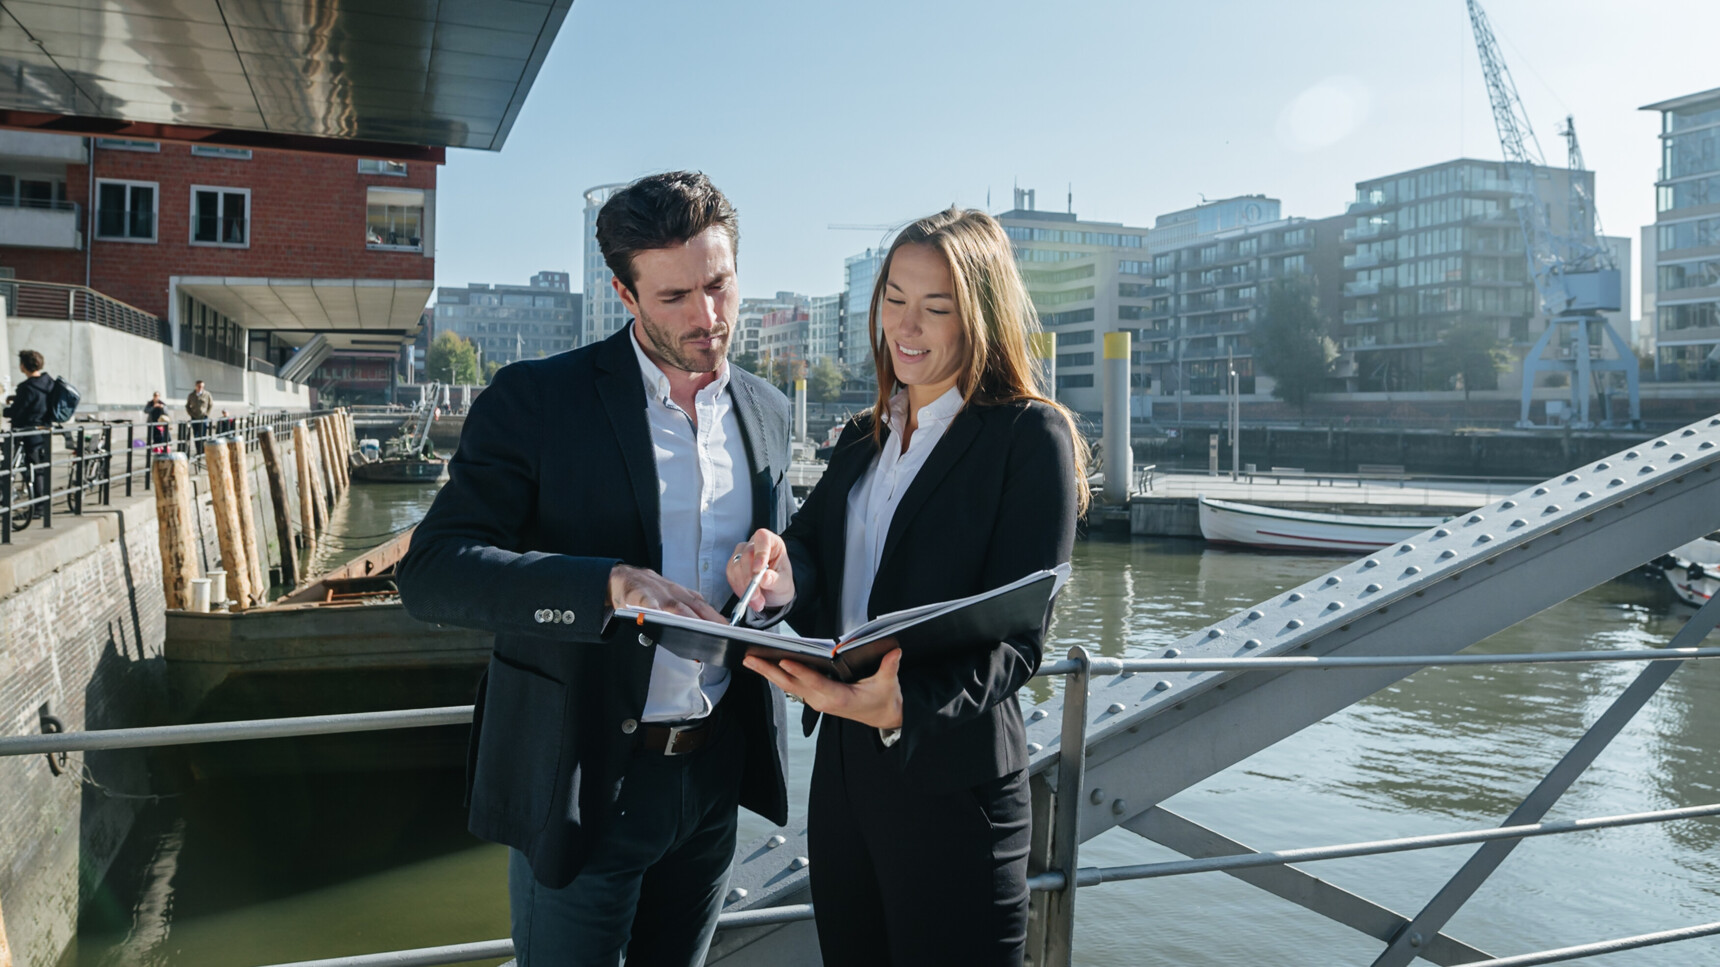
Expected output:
(18, 481)
(89, 471)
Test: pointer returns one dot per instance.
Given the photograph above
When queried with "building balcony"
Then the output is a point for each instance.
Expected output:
(1358, 342)
(36, 146)
(1358, 316)
(1361, 260)
(52, 225)
(1355, 289)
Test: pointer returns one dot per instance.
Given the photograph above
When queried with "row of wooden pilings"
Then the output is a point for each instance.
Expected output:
(320, 447)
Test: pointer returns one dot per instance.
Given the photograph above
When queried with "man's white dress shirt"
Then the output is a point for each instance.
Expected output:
(704, 507)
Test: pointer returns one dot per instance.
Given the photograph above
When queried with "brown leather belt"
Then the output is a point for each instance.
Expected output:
(669, 739)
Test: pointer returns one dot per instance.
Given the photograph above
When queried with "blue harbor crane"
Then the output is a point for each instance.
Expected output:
(1576, 277)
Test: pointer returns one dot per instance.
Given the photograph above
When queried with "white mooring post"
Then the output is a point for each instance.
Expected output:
(1119, 458)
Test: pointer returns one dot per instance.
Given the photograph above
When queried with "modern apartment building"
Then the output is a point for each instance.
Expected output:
(1687, 239)
(1431, 248)
(1073, 270)
(824, 328)
(242, 257)
(513, 322)
(602, 313)
(749, 335)
(783, 335)
(854, 343)
(1207, 283)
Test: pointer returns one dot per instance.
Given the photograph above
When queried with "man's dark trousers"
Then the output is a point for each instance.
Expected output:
(666, 855)
(37, 451)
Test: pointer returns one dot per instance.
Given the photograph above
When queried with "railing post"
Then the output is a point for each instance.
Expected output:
(107, 464)
(1051, 916)
(74, 479)
(130, 453)
(8, 442)
(47, 468)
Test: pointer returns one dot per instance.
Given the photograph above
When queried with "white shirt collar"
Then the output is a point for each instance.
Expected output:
(941, 410)
(657, 383)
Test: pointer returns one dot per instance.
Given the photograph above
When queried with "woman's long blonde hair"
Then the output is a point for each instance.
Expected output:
(997, 319)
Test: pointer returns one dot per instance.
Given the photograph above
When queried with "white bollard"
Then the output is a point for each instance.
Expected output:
(200, 595)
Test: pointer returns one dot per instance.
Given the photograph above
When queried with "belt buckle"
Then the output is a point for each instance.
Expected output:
(675, 733)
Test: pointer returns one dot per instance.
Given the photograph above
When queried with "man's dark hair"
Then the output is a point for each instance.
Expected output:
(31, 360)
(660, 211)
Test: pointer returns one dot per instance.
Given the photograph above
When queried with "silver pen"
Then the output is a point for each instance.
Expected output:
(752, 589)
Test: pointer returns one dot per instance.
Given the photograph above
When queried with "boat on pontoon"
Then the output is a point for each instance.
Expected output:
(1277, 528)
(1693, 571)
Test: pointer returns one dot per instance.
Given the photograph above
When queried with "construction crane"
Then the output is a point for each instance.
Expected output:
(1575, 276)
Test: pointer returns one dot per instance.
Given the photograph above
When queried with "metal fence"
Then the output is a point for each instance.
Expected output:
(54, 300)
(1061, 869)
(67, 466)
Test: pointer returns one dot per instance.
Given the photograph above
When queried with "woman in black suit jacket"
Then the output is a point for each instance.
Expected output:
(963, 477)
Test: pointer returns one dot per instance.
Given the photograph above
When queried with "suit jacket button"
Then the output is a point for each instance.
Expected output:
(541, 616)
(567, 617)
(628, 725)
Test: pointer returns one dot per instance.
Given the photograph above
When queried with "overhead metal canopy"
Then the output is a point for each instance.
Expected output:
(388, 78)
(368, 309)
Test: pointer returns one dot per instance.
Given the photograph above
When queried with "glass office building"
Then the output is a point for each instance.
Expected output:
(603, 312)
(1687, 237)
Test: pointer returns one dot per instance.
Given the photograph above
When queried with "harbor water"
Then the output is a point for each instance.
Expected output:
(257, 871)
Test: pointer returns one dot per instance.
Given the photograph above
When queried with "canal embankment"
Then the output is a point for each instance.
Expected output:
(82, 648)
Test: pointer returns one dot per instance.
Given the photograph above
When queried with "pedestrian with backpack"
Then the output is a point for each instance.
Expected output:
(31, 410)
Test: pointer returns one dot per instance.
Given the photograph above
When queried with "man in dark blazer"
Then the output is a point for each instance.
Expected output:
(621, 473)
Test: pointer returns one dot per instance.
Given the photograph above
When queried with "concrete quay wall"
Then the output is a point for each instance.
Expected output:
(82, 632)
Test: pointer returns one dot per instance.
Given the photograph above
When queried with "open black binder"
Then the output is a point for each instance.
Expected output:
(928, 631)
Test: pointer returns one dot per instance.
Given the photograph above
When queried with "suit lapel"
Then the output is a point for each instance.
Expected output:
(621, 387)
(755, 436)
(963, 431)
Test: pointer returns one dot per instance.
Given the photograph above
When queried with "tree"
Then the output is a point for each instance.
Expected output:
(1291, 344)
(490, 369)
(1470, 356)
(824, 381)
(451, 360)
(746, 361)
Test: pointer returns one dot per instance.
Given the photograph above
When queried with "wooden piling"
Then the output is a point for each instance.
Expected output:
(247, 511)
(278, 499)
(174, 528)
(227, 528)
(346, 447)
(319, 478)
(319, 443)
(302, 467)
(338, 423)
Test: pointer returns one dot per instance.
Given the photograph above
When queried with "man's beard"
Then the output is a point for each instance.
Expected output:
(676, 353)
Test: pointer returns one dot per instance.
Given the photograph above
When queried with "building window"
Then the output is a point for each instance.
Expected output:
(1074, 359)
(395, 219)
(374, 166)
(220, 216)
(218, 151)
(128, 144)
(1076, 381)
(125, 210)
(33, 191)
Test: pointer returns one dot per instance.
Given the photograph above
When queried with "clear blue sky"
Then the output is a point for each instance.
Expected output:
(809, 113)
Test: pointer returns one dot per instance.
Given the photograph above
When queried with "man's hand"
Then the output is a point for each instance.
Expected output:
(640, 587)
(874, 701)
(764, 551)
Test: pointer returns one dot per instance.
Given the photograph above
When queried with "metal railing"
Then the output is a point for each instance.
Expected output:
(1061, 869)
(77, 303)
(86, 459)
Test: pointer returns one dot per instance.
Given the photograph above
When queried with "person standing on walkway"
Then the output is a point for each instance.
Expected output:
(30, 408)
(964, 476)
(155, 416)
(617, 474)
(197, 407)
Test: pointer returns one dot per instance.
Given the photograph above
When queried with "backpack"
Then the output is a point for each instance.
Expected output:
(62, 400)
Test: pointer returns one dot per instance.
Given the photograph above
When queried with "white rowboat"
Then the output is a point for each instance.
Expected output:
(1695, 571)
(1227, 522)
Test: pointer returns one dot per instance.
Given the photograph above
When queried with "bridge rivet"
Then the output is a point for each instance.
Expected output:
(1118, 806)
(1370, 589)
(1415, 939)
(1295, 596)
(1172, 652)
(1335, 606)
(738, 893)
(1551, 509)
(799, 863)
(1630, 455)
(1688, 432)
(1114, 708)
(1215, 632)
(1475, 519)
(1037, 714)
(1161, 685)
(1603, 465)
(1370, 562)
(1658, 444)
(1706, 445)
(1540, 492)
(1292, 624)
(1714, 422)
(1127, 675)
(1442, 532)
(1411, 570)
(775, 841)
(1647, 468)
(1572, 478)
(1405, 548)
(1677, 457)
(1614, 482)
(1507, 505)
(1519, 522)
(1334, 579)
(1096, 797)
(1484, 538)
(1251, 643)
(1252, 615)
(1033, 748)
(1585, 495)
(1447, 554)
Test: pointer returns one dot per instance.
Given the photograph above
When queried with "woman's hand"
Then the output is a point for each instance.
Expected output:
(874, 701)
(765, 551)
